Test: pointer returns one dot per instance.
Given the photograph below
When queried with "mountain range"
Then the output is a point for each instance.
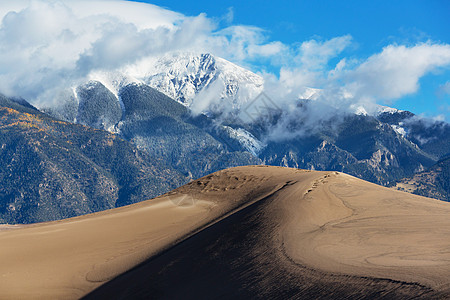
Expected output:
(118, 139)
(383, 147)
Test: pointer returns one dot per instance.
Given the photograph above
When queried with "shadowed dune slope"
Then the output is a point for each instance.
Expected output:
(258, 232)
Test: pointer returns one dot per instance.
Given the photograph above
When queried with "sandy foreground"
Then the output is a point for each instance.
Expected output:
(258, 232)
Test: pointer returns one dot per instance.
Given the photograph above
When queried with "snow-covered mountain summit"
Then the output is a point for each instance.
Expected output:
(203, 81)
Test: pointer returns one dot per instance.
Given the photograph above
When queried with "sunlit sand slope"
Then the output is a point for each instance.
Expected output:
(259, 232)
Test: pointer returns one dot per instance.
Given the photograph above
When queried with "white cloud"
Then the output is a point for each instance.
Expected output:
(395, 72)
(316, 55)
(307, 66)
(142, 15)
(386, 76)
(266, 50)
(236, 42)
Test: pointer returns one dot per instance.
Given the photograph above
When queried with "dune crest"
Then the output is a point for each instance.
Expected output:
(242, 232)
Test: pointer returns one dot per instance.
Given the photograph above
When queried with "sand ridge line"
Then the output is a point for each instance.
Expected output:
(247, 247)
(319, 181)
(217, 220)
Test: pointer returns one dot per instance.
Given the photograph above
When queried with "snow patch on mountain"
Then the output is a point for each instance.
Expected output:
(399, 129)
(246, 139)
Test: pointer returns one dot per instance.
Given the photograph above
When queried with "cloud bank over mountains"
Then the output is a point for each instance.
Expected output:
(47, 46)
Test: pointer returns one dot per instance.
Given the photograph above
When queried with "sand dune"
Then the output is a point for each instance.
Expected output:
(258, 232)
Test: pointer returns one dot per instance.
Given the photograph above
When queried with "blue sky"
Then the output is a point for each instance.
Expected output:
(372, 25)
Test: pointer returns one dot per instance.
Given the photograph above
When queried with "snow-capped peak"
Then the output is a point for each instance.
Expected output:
(183, 76)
